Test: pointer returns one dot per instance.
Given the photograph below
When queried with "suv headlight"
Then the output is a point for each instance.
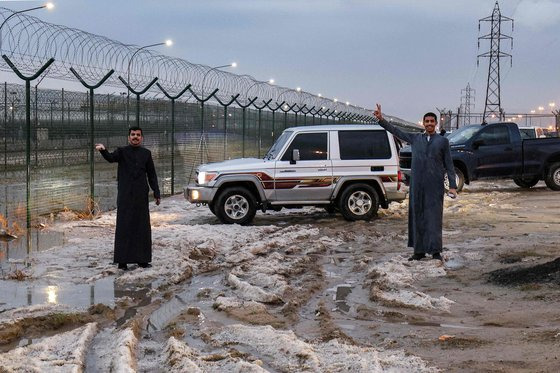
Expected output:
(206, 177)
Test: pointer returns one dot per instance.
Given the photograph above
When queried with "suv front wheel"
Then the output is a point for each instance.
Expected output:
(358, 202)
(235, 205)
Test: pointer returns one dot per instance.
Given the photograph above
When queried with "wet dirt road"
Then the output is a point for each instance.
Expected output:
(301, 290)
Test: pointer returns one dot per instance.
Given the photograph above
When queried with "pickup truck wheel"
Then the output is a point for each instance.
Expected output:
(552, 178)
(358, 202)
(236, 205)
(211, 207)
(526, 183)
(459, 180)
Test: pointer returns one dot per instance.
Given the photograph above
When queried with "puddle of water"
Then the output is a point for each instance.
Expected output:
(342, 291)
(138, 295)
(161, 317)
(428, 323)
(16, 249)
(15, 294)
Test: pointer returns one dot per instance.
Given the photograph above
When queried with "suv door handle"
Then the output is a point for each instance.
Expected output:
(508, 149)
(287, 170)
(321, 169)
(377, 168)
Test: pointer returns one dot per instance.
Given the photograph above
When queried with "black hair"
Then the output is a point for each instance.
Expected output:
(135, 128)
(429, 114)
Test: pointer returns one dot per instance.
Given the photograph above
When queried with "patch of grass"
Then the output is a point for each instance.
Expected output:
(462, 342)
(17, 275)
(530, 287)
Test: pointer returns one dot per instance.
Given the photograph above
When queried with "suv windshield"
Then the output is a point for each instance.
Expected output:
(278, 145)
(463, 134)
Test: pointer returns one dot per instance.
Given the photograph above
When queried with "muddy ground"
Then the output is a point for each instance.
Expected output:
(300, 290)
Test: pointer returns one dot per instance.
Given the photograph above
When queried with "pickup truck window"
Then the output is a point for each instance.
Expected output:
(463, 134)
(311, 146)
(527, 133)
(364, 145)
(495, 135)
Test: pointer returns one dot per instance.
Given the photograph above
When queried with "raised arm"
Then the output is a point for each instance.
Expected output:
(391, 128)
(109, 157)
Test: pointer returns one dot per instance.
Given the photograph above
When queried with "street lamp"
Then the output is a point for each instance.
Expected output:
(270, 81)
(47, 5)
(167, 43)
(233, 64)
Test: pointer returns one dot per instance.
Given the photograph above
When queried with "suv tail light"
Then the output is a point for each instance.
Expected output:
(399, 179)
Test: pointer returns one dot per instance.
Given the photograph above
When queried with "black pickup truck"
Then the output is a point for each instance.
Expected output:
(497, 151)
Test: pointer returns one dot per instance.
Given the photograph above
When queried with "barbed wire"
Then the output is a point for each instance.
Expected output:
(29, 42)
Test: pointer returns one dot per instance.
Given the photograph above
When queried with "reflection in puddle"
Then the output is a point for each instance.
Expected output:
(15, 294)
(139, 296)
(15, 251)
(342, 292)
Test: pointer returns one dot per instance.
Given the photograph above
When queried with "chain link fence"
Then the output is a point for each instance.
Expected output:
(60, 144)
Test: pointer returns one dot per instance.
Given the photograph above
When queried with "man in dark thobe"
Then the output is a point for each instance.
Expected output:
(133, 234)
(431, 160)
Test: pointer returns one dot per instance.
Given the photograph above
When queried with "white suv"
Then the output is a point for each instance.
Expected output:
(350, 168)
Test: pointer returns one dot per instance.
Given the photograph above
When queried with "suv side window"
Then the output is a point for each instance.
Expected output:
(364, 145)
(497, 135)
(311, 146)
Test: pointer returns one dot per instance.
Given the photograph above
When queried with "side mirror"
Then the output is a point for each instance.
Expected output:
(295, 156)
(477, 143)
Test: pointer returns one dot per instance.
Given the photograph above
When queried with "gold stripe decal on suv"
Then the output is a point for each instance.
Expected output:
(288, 183)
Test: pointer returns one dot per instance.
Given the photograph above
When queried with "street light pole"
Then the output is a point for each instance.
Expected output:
(168, 43)
(47, 5)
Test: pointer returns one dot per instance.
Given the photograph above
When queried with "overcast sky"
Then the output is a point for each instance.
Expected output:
(411, 56)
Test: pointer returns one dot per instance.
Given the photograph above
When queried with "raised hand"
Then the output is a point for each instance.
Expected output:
(377, 112)
(99, 147)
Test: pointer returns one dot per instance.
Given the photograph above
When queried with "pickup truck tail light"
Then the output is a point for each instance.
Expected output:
(399, 180)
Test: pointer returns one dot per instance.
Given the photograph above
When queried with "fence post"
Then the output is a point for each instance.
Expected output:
(173, 98)
(28, 80)
(259, 135)
(244, 108)
(91, 202)
(5, 128)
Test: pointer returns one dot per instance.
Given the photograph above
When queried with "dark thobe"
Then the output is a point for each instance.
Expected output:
(133, 234)
(430, 161)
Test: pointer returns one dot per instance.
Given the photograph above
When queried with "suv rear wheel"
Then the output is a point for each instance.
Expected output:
(358, 202)
(235, 205)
